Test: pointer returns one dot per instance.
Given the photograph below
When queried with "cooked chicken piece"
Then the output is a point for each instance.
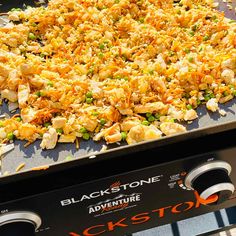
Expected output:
(4, 71)
(27, 131)
(3, 134)
(169, 128)
(9, 94)
(23, 94)
(111, 134)
(128, 123)
(28, 114)
(190, 115)
(89, 123)
(58, 122)
(212, 104)
(49, 139)
(229, 63)
(13, 79)
(140, 133)
(27, 69)
(150, 107)
(227, 75)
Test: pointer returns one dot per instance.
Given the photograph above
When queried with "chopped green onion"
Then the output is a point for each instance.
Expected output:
(191, 33)
(190, 59)
(18, 119)
(86, 136)
(32, 36)
(148, 114)
(101, 46)
(95, 113)
(194, 27)
(89, 100)
(234, 93)
(50, 84)
(158, 116)
(225, 93)
(59, 130)
(145, 122)
(16, 9)
(100, 55)
(151, 72)
(38, 93)
(123, 135)
(102, 121)
(189, 107)
(206, 37)
(46, 124)
(151, 118)
(198, 101)
(10, 136)
(83, 130)
(187, 50)
(89, 94)
(1, 124)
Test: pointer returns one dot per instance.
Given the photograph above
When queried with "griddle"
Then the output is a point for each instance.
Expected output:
(33, 156)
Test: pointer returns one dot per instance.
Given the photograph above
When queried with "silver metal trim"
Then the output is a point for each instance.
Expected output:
(21, 216)
(217, 188)
(199, 170)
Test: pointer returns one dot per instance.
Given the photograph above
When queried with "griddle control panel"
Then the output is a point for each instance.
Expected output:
(20, 223)
(211, 180)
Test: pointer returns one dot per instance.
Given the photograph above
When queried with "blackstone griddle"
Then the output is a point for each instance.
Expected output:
(124, 189)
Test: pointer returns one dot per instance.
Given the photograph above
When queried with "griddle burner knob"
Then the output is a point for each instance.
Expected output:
(211, 179)
(20, 223)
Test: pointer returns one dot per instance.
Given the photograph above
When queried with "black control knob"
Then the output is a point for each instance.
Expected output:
(22, 223)
(210, 179)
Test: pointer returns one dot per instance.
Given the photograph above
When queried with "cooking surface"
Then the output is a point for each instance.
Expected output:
(34, 156)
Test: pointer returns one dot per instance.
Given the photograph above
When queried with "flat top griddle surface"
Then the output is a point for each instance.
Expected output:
(34, 156)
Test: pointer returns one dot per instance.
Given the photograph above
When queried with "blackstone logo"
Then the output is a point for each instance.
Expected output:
(114, 188)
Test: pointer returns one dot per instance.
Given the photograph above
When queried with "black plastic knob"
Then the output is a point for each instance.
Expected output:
(18, 229)
(19, 223)
(214, 182)
(211, 180)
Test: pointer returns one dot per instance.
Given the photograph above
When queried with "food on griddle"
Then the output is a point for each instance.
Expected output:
(116, 70)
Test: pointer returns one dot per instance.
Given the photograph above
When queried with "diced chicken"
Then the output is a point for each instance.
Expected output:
(27, 114)
(13, 79)
(27, 69)
(49, 139)
(227, 75)
(127, 124)
(126, 111)
(9, 94)
(151, 107)
(161, 61)
(170, 128)
(27, 131)
(23, 94)
(111, 134)
(140, 133)
(151, 132)
(212, 105)
(176, 114)
(89, 124)
(229, 63)
(3, 134)
(68, 138)
(190, 115)
(14, 16)
(58, 122)
(4, 71)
